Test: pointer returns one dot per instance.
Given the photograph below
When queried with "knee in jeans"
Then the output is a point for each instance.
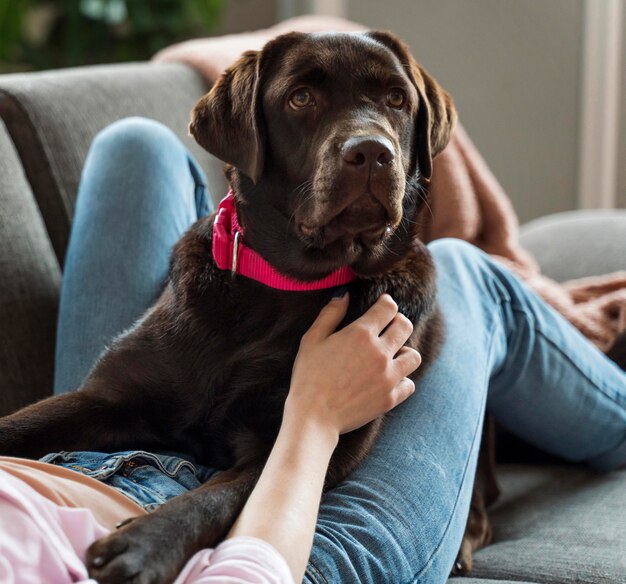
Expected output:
(459, 260)
(136, 136)
(470, 268)
(451, 251)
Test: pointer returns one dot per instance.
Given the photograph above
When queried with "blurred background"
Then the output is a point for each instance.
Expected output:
(44, 34)
(540, 85)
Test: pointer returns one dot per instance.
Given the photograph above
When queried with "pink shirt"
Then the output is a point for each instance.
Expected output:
(44, 542)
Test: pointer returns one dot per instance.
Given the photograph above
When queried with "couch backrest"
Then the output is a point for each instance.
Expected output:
(29, 288)
(53, 116)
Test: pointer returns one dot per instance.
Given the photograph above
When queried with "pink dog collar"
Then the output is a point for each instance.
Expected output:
(231, 253)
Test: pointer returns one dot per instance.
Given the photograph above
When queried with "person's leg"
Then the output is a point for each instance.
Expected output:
(401, 515)
(139, 192)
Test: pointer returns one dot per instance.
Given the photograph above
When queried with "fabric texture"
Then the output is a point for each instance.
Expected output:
(57, 538)
(467, 201)
(147, 479)
(29, 289)
(68, 488)
(577, 244)
(558, 525)
(53, 116)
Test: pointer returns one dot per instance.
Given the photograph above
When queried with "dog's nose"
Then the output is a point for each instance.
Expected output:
(366, 151)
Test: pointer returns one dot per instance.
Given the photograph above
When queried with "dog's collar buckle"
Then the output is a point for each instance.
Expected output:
(231, 253)
(233, 265)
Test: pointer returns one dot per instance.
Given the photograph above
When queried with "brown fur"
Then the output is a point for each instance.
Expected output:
(207, 369)
(617, 352)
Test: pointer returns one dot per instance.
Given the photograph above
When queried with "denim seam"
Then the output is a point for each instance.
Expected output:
(477, 432)
(314, 572)
(201, 194)
(503, 300)
(148, 457)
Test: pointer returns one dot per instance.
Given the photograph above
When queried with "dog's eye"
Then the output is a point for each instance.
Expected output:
(301, 98)
(396, 98)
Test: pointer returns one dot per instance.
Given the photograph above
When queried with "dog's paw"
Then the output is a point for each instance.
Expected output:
(459, 569)
(145, 551)
(463, 563)
(617, 352)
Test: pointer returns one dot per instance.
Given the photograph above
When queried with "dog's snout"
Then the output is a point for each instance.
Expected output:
(367, 151)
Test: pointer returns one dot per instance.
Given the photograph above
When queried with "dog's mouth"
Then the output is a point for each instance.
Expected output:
(364, 224)
(352, 237)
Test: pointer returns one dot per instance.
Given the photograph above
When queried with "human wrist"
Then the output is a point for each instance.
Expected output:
(305, 424)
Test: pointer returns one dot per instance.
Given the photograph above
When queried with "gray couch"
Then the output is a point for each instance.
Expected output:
(554, 523)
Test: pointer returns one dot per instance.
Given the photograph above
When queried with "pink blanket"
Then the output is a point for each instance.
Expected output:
(467, 200)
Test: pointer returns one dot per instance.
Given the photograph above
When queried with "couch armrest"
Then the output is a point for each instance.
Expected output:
(29, 289)
(576, 244)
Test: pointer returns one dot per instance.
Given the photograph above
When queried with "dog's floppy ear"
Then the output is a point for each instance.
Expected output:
(436, 115)
(227, 121)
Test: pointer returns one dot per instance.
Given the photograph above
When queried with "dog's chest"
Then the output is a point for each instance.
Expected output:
(249, 341)
(244, 372)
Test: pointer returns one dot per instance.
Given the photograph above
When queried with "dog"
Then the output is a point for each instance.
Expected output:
(329, 140)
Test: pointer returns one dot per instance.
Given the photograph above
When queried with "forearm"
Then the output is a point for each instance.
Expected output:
(283, 507)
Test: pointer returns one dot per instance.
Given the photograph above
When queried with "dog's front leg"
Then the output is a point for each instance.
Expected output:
(154, 548)
(82, 420)
(125, 402)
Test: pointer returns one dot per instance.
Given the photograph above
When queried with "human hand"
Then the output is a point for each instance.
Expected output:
(342, 380)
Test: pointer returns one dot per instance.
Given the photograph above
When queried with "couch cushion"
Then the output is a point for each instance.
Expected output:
(53, 116)
(577, 244)
(557, 525)
(29, 289)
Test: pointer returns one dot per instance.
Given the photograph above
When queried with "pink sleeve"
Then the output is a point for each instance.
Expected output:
(40, 541)
(239, 560)
(43, 542)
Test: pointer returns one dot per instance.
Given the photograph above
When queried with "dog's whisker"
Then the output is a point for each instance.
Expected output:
(303, 186)
(306, 190)
(421, 193)
(388, 249)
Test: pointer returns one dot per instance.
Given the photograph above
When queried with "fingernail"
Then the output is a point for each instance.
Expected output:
(339, 292)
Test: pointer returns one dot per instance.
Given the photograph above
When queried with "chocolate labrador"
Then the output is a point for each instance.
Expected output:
(329, 140)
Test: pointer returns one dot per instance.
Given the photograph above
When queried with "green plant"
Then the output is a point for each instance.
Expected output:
(42, 34)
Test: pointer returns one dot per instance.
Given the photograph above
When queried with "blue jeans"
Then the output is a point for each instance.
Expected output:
(400, 516)
(148, 479)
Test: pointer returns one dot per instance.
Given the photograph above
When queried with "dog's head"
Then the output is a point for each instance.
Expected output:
(329, 135)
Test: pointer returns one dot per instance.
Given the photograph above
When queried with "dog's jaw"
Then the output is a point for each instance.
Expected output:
(271, 232)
